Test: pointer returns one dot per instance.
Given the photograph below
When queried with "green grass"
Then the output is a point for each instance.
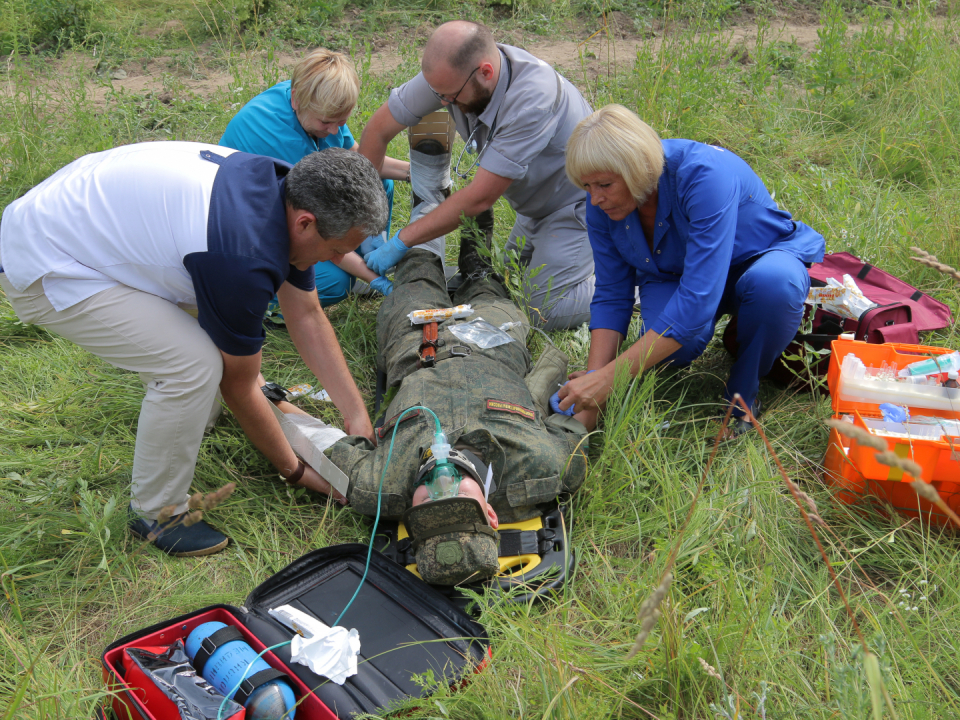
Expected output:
(859, 140)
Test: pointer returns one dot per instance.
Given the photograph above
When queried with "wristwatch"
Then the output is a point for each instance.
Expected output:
(274, 392)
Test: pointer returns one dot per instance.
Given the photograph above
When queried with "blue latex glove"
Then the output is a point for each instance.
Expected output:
(894, 413)
(372, 243)
(555, 403)
(386, 256)
(382, 285)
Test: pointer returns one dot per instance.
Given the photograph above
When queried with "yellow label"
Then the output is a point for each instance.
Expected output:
(501, 406)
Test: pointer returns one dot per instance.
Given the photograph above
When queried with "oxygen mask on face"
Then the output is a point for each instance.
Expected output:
(444, 480)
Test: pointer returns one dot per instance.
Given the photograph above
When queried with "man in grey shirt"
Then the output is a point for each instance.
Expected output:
(516, 112)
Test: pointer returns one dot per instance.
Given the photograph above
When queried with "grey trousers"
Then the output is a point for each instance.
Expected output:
(561, 291)
(177, 361)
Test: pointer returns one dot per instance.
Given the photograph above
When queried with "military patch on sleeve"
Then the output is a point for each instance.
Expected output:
(388, 425)
(513, 408)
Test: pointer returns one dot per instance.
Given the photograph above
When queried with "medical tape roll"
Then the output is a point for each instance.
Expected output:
(429, 177)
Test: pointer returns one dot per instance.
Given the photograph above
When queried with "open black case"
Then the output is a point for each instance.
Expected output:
(406, 629)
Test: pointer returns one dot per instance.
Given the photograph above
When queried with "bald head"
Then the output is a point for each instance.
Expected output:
(460, 45)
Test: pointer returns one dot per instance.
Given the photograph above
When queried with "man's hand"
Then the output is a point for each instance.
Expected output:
(240, 387)
(382, 285)
(313, 335)
(312, 480)
(386, 256)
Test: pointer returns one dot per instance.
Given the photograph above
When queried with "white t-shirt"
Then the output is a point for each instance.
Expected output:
(184, 221)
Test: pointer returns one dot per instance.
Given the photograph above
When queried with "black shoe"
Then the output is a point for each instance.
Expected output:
(178, 540)
(472, 262)
(740, 425)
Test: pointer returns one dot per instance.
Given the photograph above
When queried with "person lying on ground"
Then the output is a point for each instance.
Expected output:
(306, 114)
(515, 112)
(170, 278)
(693, 227)
(491, 406)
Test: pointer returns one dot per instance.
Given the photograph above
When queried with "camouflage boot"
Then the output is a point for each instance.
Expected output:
(472, 262)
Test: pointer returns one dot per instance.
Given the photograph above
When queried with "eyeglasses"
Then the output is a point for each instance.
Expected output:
(447, 98)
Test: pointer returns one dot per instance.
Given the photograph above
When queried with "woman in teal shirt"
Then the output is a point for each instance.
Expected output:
(303, 115)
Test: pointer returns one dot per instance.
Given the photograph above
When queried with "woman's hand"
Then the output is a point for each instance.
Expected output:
(588, 391)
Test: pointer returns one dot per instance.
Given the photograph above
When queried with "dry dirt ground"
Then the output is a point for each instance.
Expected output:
(615, 43)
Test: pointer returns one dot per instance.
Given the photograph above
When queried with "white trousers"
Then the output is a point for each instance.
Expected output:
(177, 361)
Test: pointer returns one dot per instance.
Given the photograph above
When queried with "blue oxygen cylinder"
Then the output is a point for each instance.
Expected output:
(231, 661)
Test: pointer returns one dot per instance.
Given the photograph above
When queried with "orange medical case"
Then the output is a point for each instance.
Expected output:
(854, 468)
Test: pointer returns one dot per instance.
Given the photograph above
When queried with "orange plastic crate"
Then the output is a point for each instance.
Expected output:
(855, 470)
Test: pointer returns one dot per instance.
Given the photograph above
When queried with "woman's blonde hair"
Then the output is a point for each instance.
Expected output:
(615, 140)
(325, 84)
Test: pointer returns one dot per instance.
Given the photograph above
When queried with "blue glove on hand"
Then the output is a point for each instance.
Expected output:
(372, 243)
(555, 403)
(382, 285)
(387, 255)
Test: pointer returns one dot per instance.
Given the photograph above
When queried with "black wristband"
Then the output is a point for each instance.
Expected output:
(274, 392)
(295, 476)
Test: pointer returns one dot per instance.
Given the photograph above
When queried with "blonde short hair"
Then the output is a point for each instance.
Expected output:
(325, 84)
(615, 140)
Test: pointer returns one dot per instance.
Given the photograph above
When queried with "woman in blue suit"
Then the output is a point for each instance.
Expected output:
(694, 230)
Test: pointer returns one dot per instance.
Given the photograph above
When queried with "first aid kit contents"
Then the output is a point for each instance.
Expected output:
(924, 383)
(917, 416)
(407, 629)
(221, 655)
(844, 299)
(170, 684)
(422, 317)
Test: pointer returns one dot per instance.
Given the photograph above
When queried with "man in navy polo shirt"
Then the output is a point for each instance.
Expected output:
(161, 258)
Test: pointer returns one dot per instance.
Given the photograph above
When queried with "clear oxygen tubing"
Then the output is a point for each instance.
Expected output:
(376, 521)
(373, 536)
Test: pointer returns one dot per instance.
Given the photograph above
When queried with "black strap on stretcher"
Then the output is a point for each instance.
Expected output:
(218, 639)
(512, 542)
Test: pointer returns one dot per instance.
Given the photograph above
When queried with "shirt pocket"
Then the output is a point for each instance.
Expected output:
(533, 491)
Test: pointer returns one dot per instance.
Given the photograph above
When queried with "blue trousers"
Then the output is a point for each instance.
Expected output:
(766, 293)
(333, 283)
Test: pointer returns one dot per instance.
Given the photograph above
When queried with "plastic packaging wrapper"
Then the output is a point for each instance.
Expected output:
(844, 299)
(298, 391)
(174, 676)
(328, 651)
(480, 333)
(429, 177)
(422, 317)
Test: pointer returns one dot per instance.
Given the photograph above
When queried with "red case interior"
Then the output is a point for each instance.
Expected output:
(309, 706)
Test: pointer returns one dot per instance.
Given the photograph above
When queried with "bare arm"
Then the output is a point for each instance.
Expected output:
(377, 134)
(317, 344)
(354, 264)
(591, 391)
(240, 387)
(479, 195)
(392, 169)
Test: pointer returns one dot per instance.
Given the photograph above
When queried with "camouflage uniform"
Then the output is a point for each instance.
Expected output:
(481, 399)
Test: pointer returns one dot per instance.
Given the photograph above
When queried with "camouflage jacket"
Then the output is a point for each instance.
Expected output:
(482, 400)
